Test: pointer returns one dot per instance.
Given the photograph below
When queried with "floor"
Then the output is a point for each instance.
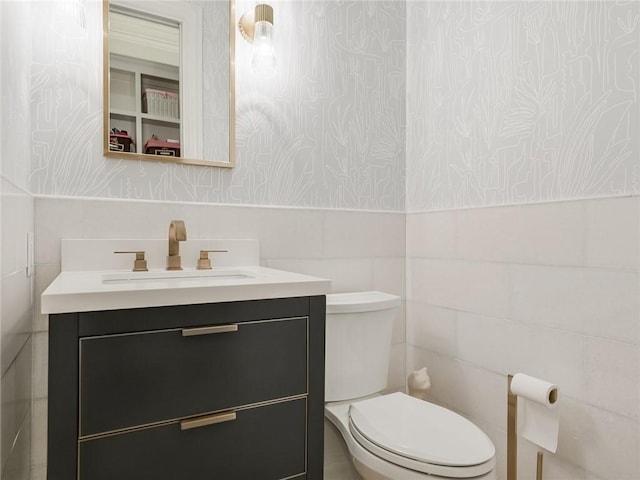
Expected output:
(337, 461)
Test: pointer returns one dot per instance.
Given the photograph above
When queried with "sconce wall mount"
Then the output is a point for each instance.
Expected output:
(248, 21)
(256, 26)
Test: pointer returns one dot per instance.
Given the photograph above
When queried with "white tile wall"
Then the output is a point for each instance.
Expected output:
(40, 365)
(483, 340)
(17, 220)
(397, 367)
(466, 388)
(45, 274)
(399, 333)
(39, 473)
(348, 235)
(15, 407)
(357, 250)
(471, 286)
(17, 466)
(14, 201)
(107, 219)
(39, 434)
(433, 328)
(536, 234)
(16, 315)
(551, 290)
(553, 468)
(599, 441)
(389, 275)
(591, 301)
(504, 346)
(613, 233)
(431, 235)
(353, 274)
(472, 316)
(16, 312)
(302, 228)
(97, 254)
(612, 373)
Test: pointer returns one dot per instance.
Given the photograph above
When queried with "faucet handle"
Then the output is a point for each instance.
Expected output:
(204, 263)
(139, 264)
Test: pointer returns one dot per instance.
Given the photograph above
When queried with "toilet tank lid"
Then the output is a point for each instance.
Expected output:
(361, 302)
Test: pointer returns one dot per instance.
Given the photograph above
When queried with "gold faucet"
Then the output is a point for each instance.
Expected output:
(177, 233)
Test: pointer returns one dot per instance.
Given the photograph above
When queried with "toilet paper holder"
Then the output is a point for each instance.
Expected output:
(512, 436)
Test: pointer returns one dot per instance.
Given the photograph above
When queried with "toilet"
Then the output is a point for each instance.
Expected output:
(391, 436)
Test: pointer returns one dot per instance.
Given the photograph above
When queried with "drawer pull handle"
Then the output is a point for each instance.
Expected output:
(208, 420)
(190, 332)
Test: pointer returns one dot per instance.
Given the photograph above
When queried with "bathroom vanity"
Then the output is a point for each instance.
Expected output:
(189, 388)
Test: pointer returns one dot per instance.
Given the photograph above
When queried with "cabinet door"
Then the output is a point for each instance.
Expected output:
(139, 379)
(262, 443)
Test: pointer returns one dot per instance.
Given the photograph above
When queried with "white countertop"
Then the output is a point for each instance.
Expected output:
(84, 291)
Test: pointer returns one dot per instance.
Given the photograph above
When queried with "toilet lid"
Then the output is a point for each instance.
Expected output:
(421, 431)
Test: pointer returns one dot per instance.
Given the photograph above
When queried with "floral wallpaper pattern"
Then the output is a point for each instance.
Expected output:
(327, 131)
(381, 105)
(517, 102)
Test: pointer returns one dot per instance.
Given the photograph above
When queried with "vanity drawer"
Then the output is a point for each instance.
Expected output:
(129, 380)
(265, 443)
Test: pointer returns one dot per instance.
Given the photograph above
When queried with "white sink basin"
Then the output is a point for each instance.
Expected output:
(182, 275)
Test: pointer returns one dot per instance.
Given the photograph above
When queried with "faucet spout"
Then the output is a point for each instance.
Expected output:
(177, 234)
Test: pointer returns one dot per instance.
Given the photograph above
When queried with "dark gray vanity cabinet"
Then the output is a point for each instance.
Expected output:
(227, 391)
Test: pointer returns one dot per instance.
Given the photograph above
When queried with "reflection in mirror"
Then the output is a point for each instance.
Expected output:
(169, 81)
(144, 62)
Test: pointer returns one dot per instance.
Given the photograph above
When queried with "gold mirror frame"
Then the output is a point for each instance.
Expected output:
(165, 159)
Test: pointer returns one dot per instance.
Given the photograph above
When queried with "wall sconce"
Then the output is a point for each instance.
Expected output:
(256, 26)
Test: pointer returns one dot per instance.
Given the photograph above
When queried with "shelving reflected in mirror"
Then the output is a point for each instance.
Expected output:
(169, 90)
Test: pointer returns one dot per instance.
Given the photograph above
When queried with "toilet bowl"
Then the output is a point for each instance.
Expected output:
(392, 436)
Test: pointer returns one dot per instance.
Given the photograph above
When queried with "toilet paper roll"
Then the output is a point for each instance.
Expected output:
(539, 421)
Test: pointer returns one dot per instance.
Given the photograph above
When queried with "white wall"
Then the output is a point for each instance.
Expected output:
(550, 290)
(16, 219)
(512, 104)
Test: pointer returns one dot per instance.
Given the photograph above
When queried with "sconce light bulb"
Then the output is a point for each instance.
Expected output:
(264, 56)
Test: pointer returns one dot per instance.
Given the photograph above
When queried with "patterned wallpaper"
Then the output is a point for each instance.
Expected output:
(327, 131)
(506, 102)
(15, 50)
(515, 102)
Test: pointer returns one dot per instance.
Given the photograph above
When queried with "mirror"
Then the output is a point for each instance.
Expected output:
(169, 81)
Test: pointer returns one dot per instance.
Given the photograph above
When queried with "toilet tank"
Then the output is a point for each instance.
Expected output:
(358, 343)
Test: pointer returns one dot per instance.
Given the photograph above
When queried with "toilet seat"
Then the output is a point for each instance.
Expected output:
(421, 436)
